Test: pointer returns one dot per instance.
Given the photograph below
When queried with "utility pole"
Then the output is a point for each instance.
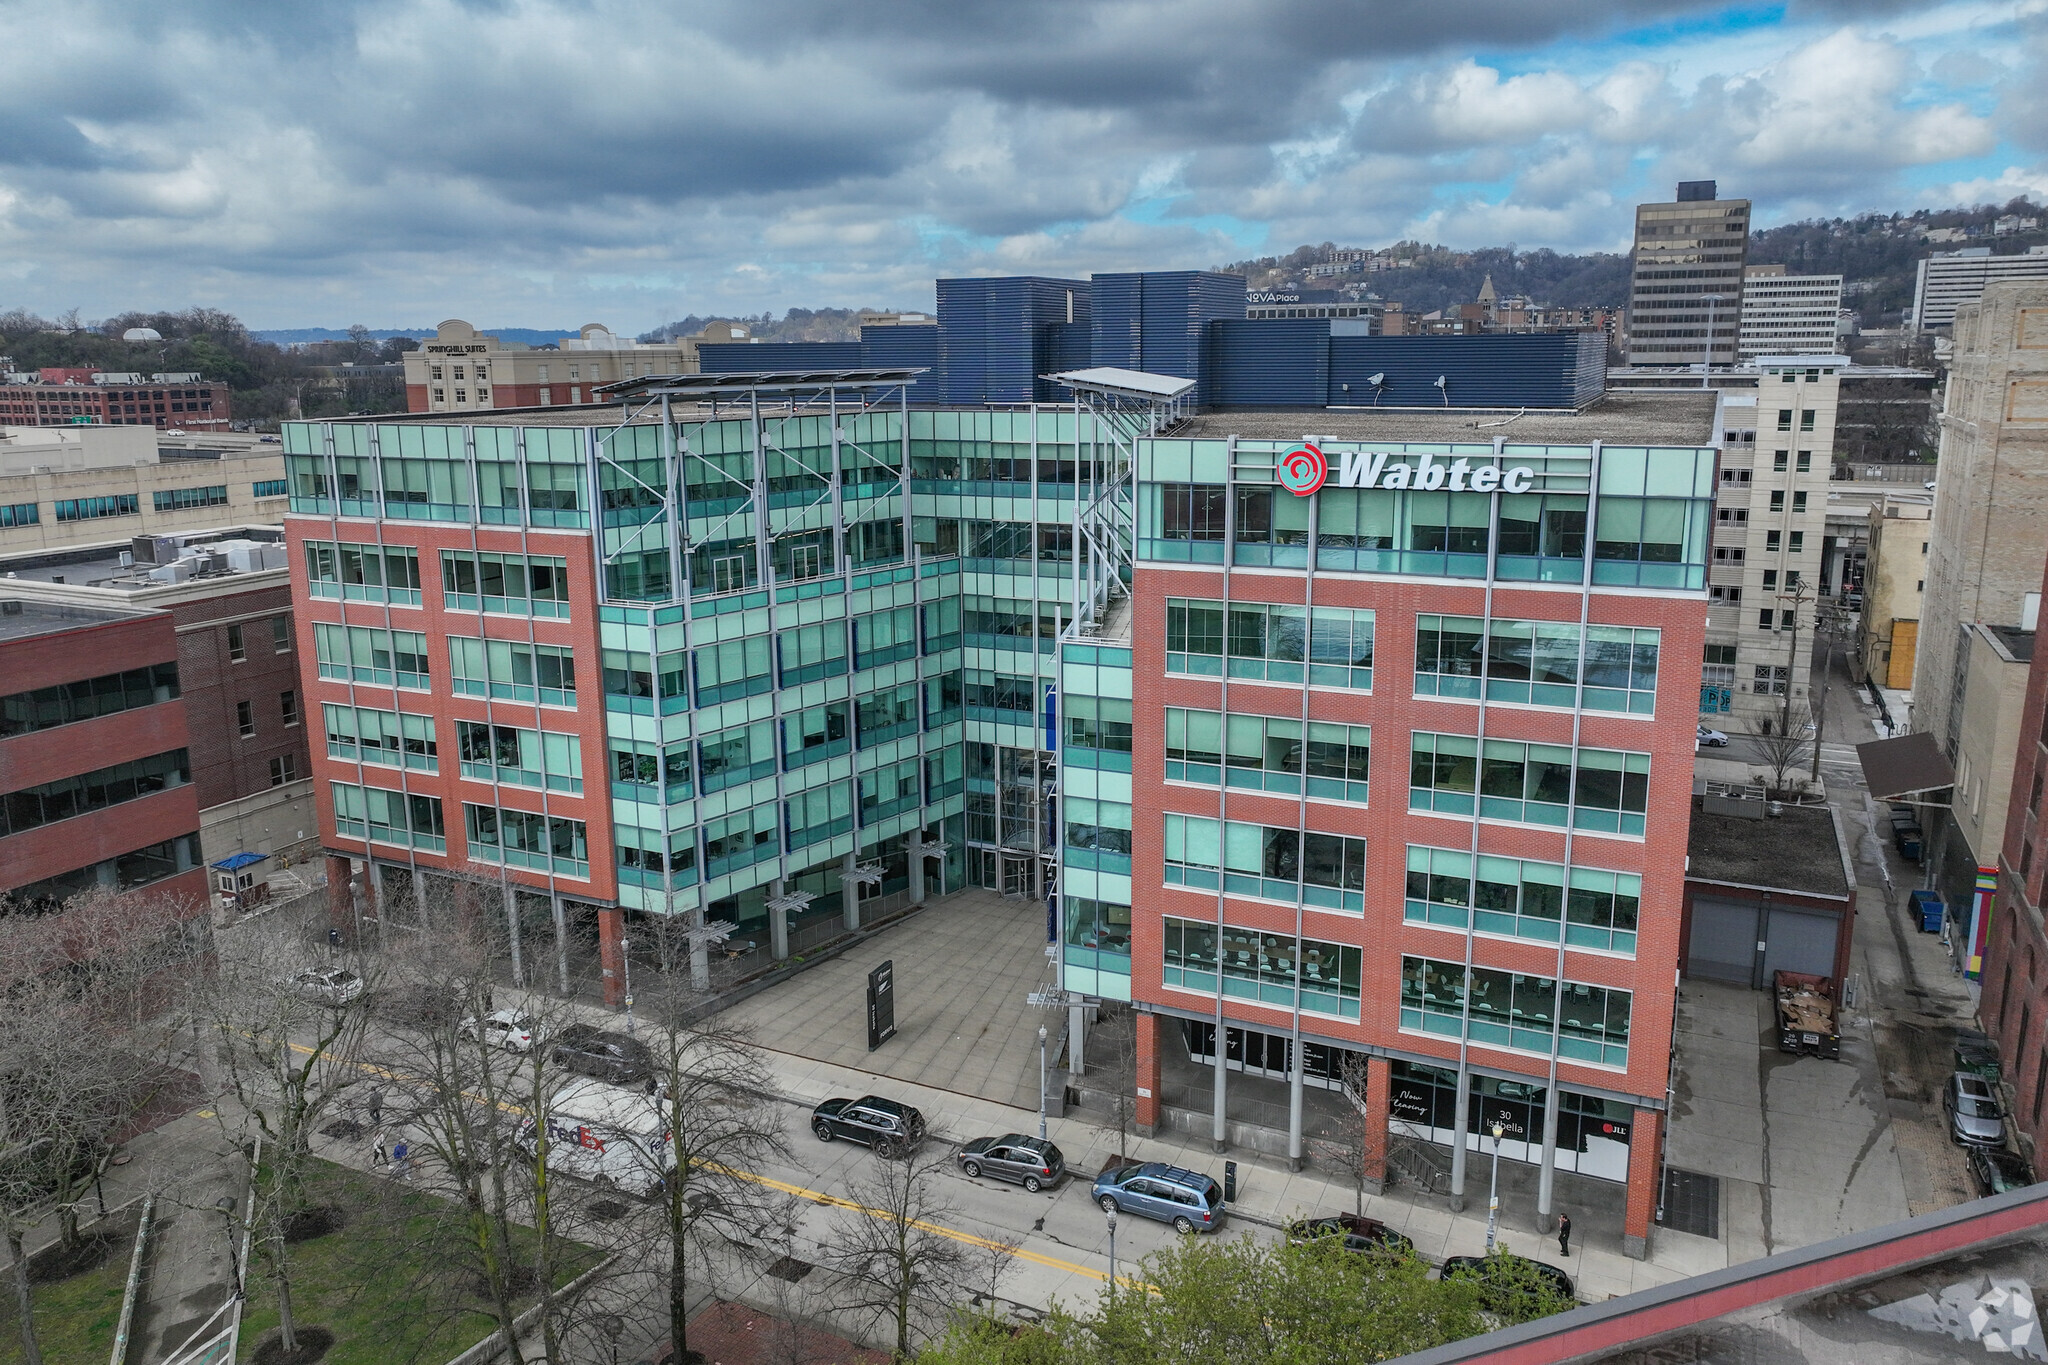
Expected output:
(1798, 597)
(1825, 620)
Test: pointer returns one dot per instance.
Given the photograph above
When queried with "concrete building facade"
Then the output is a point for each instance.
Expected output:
(96, 783)
(1686, 279)
(1894, 581)
(1994, 700)
(1785, 314)
(76, 487)
(1947, 280)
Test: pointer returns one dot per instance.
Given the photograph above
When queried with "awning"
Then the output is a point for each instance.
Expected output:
(1894, 768)
(235, 862)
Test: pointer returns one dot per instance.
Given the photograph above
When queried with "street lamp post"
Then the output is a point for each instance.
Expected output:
(1109, 1214)
(226, 1205)
(1041, 1082)
(626, 947)
(1493, 1192)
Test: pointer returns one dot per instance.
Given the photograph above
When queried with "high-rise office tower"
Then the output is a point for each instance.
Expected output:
(1686, 280)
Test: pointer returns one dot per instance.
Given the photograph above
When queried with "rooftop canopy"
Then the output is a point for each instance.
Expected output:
(1150, 388)
(758, 381)
(1894, 768)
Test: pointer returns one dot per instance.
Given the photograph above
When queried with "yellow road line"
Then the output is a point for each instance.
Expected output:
(820, 1197)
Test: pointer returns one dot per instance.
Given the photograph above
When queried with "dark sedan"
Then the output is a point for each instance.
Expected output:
(614, 1057)
(1512, 1284)
(1031, 1162)
(1996, 1170)
(891, 1129)
(1359, 1233)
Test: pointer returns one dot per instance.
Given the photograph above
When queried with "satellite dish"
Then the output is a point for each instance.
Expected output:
(1440, 381)
(1377, 380)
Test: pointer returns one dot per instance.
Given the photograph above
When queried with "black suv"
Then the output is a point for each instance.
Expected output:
(613, 1057)
(890, 1128)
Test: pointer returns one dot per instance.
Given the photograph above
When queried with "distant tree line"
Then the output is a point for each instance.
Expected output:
(798, 324)
(265, 381)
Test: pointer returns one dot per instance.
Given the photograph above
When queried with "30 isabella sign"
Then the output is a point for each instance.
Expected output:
(1305, 469)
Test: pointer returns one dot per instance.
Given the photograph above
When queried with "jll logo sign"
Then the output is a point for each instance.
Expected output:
(1305, 469)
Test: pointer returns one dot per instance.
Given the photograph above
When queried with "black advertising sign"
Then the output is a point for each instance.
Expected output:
(881, 1004)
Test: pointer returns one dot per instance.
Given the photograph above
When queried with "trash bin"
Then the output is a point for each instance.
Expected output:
(1926, 906)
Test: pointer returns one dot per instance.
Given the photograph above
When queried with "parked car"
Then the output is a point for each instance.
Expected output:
(1975, 1117)
(1996, 1170)
(335, 986)
(614, 1057)
(1710, 738)
(1031, 1162)
(1505, 1277)
(1189, 1200)
(887, 1127)
(512, 1030)
(1359, 1233)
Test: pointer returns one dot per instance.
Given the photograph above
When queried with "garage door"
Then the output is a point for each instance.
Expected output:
(1800, 943)
(1723, 946)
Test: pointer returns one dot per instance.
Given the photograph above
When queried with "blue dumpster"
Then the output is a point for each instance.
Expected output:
(1927, 906)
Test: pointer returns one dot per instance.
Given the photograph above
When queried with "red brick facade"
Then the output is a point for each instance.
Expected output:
(197, 406)
(2014, 1006)
(225, 764)
(1388, 826)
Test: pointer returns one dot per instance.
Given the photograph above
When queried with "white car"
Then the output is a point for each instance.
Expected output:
(325, 985)
(1711, 738)
(509, 1029)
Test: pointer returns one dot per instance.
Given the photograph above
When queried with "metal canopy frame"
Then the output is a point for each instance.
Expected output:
(782, 382)
(1127, 406)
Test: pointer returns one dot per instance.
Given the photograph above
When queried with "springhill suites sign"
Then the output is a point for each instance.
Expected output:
(1304, 470)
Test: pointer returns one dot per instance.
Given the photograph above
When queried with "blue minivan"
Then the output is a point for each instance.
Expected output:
(1189, 1200)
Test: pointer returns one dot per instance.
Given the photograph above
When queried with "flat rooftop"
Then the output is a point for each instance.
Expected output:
(1633, 419)
(20, 619)
(1793, 851)
(2018, 643)
(100, 566)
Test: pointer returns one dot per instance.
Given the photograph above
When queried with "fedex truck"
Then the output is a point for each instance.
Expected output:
(616, 1139)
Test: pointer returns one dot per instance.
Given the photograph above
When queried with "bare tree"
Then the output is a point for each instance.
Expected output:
(1350, 1131)
(713, 1091)
(289, 1051)
(1112, 1052)
(88, 1041)
(1783, 749)
(894, 1264)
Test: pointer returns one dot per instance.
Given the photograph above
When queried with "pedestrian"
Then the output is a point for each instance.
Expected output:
(380, 1150)
(375, 1105)
(1564, 1234)
(401, 1160)
(334, 940)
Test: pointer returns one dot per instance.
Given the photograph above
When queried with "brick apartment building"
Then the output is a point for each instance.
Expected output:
(460, 369)
(60, 396)
(95, 774)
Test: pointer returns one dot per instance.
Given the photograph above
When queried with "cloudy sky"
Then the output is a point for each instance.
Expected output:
(528, 163)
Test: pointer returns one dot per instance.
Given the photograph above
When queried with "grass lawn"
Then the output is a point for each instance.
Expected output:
(392, 1285)
(75, 1318)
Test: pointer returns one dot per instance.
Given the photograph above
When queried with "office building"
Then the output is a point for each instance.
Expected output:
(83, 395)
(1784, 314)
(1894, 580)
(1156, 322)
(226, 595)
(1512, 619)
(1686, 279)
(459, 369)
(95, 756)
(81, 486)
(1947, 280)
(999, 337)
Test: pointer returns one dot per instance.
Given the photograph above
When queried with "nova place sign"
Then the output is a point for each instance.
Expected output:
(1304, 470)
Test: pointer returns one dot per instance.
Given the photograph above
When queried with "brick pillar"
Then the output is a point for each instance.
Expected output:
(341, 896)
(1379, 1098)
(611, 929)
(1146, 1072)
(1644, 1145)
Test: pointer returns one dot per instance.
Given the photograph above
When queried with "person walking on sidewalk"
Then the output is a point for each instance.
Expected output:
(401, 1161)
(1564, 1234)
(380, 1151)
(375, 1105)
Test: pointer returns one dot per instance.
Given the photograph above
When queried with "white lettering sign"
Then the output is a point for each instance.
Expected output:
(1429, 473)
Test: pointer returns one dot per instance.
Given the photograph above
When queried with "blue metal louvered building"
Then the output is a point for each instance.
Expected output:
(1157, 321)
(997, 336)
(739, 357)
(1489, 370)
(1269, 363)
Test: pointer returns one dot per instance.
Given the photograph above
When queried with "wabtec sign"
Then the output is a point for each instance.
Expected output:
(1305, 469)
